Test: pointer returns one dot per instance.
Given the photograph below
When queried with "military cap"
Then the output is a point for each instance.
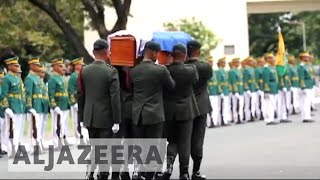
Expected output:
(179, 47)
(193, 44)
(13, 60)
(250, 58)
(269, 55)
(77, 61)
(1, 73)
(100, 44)
(34, 61)
(57, 61)
(291, 58)
(304, 54)
(153, 46)
(260, 59)
(237, 59)
(222, 60)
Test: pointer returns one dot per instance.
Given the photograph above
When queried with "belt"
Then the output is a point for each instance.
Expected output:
(17, 96)
(37, 96)
(61, 94)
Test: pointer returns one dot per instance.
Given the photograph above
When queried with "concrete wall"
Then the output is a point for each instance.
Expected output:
(227, 19)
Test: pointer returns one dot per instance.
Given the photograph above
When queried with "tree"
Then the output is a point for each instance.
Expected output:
(263, 32)
(198, 31)
(95, 9)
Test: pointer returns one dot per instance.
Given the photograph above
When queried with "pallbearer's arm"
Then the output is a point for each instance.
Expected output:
(167, 79)
(115, 97)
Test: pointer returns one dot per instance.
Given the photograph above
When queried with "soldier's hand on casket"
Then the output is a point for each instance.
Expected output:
(57, 110)
(33, 112)
(9, 112)
(115, 128)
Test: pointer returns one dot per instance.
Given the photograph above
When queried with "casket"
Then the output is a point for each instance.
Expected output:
(164, 58)
(123, 51)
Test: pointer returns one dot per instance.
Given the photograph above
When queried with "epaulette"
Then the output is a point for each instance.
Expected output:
(111, 66)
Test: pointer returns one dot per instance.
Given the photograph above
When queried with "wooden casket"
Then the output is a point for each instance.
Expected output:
(164, 58)
(123, 51)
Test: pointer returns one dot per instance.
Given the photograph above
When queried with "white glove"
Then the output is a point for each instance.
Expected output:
(237, 95)
(75, 106)
(284, 89)
(115, 128)
(57, 110)
(221, 95)
(33, 112)
(9, 112)
(249, 93)
(81, 124)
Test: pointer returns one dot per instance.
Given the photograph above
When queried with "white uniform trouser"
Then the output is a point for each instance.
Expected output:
(295, 97)
(237, 108)
(215, 114)
(268, 107)
(44, 118)
(38, 121)
(16, 126)
(226, 110)
(63, 125)
(282, 105)
(4, 134)
(313, 97)
(258, 106)
(249, 105)
(22, 125)
(74, 115)
(305, 104)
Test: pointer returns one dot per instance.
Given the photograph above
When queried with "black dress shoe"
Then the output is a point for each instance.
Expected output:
(115, 176)
(3, 153)
(125, 176)
(285, 121)
(184, 177)
(308, 121)
(198, 176)
(272, 123)
(89, 177)
(102, 176)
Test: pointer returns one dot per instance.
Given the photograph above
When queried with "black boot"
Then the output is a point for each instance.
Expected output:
(198, 176)
(102, 175)
(89, 176)
(125, 176)
(184, 174)
(115, 176)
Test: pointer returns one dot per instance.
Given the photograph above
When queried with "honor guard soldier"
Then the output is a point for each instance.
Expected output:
(72, 92)
(214, 100)
(305, 73)
(284, 87)
(259, 101)
(314, 83)
(251, 87)
(224, 86)
(202, 97)
(270, 89)
(180, 109)
(45, 103)
(236, 81)
(3, 124)
(59, 102)
(293, 94)
(12, 102)
(34, 103)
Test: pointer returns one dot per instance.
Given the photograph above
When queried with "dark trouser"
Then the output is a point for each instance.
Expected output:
(197, 138)
(179, 138)
(148, 131)
(99, 133)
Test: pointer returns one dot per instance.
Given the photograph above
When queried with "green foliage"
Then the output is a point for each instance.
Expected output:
(30, 32)
(198, 31)
(263, 32)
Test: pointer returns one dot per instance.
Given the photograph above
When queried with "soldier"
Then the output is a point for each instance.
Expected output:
(77, 65)
(306, 84)
(251, 87)
(293, 95)
(236, 81)
(45, 103)
(34, 104)
(270, 89)
(180, 109)
(284, 87)
(214, 100)
(223, 83)
(3, 124)
(12, 102)
(59, 102)
(259, 80)
(313, 108)
(202, 97)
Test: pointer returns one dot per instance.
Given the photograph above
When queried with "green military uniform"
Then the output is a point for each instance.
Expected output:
(270, 80)
(34, 93)
(284, 81)
(214, 89)
(293, 75)
(236, 81)
(258, 77)
(223, 83)
(58, 94)
(249, 80)
(306, 76)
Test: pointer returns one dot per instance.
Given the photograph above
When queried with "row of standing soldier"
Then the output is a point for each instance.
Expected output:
(256, 91)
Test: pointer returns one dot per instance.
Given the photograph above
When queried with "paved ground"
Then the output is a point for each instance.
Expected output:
(251, 150)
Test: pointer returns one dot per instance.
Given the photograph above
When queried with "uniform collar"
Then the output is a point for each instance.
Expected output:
(177, 62)
(147, 60)
(194, 59)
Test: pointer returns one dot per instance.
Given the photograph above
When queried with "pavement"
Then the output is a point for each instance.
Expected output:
(250, 151)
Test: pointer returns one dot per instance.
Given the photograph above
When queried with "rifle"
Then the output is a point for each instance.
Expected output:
(34, 127)
(58, 131)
